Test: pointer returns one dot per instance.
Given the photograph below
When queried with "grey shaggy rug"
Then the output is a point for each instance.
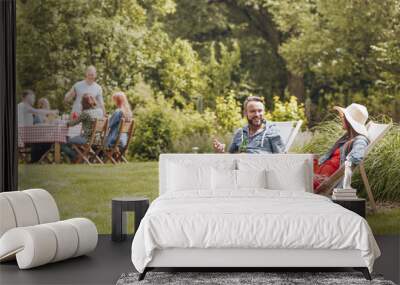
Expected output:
(242, 278)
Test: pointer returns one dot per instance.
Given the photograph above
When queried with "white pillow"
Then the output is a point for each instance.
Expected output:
(278, 180)
(183, 177)
(251, 178)
(224, 179)
(283, 173)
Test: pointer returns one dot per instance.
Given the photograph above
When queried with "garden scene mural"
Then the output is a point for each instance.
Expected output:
(179, 73)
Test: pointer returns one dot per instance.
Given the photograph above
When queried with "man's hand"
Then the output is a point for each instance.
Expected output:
(70, 95)
(218, 146)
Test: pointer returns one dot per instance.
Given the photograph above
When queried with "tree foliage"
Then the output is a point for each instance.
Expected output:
(197, 52)
(56, 40)
(321, 47)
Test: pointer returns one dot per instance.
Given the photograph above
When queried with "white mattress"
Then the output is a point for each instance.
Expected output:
(252, 219)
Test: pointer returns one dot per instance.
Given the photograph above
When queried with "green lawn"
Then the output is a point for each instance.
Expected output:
(385, 222)
(86, 191)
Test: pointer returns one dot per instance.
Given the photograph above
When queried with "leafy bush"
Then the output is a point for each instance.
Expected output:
(154, 130)
(228, 113)
(382, 164)
(194, 129)
(198, 129)
(287, 111)
(162, 128)
(196, 142)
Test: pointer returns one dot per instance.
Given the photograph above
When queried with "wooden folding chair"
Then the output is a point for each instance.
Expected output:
(24, 153)
(99, 140)
(45, 157)
(115, 153)
(375, 134)
(85, 151)
(288, 132)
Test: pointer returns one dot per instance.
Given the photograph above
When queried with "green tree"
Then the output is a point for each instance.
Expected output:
(261, 70)
(342, 47)
(177, 72)
(56, 40)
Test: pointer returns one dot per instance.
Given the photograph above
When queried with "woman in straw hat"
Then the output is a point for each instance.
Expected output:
(350, 147)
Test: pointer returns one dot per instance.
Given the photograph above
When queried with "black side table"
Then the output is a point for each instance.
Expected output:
(120, 206)
(357, 205)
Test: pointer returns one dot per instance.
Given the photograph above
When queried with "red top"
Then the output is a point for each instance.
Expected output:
(323, 171)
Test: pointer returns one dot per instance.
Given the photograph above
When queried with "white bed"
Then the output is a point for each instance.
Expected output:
(229, 218)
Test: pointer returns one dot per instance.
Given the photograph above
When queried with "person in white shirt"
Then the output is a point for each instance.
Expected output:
(88, 85)
(42, 103)
(26, 111)
(26, 114)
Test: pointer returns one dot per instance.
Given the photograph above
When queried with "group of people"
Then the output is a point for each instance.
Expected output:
(260, 136)
(87, 106)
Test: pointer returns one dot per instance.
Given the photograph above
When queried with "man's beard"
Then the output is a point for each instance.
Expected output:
(255, 122)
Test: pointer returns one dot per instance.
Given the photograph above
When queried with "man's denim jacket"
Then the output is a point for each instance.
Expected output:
(266, 141)
(356, 153)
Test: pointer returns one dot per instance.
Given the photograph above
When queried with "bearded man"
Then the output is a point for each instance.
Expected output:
(258, 136)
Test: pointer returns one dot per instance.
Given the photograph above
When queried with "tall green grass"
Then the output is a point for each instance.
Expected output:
(382, 164)
(324, 135)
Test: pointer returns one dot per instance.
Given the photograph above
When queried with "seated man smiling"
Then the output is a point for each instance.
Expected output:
(258, 136)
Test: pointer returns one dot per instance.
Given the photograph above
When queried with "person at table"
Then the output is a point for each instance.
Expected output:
(122, 111)
(89, 114)
(42, 104)
(26, 113)
(88, 85)
(258, 136)
(350, 147)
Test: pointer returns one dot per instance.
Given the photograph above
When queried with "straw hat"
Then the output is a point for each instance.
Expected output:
(357, 116)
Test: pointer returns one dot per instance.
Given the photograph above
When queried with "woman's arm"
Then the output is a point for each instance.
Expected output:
(30, 109)
(357, 150)
(78, 120)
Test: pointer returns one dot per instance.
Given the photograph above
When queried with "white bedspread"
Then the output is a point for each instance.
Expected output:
(250, 219)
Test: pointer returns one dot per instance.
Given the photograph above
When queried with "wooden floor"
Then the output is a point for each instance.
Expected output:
(111, 259)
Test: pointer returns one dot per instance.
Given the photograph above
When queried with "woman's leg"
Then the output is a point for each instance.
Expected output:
(77, 140)
(67, 148)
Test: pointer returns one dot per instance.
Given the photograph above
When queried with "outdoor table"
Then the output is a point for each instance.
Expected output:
(46, 133)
